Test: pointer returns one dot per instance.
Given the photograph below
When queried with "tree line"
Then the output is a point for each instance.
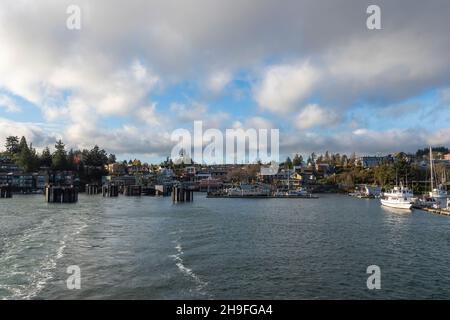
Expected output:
(84, 161)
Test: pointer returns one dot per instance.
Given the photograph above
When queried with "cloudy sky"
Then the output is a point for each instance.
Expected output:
(137, 70)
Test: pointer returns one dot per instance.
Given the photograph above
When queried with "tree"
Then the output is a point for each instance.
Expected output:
(111, 158)
(344, 161)
(26, 158)
(288, 163)
(59, 158)
(298, 160)
(327, 157)
(96, 157)
(12, 145)
(46, 158)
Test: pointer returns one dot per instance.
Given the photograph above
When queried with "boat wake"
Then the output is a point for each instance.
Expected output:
(178, 258)
(26, 281)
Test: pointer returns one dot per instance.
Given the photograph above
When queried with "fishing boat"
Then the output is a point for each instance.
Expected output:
(399, 197)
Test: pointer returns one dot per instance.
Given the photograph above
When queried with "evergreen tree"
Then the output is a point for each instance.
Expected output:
(12, 145)
(298, 160)
(46, 158)
(111, 158)
(59, 158)
(288, 163)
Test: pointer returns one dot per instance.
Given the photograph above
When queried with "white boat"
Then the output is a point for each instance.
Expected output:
(298, 192)
(248, 190)
(399, 197)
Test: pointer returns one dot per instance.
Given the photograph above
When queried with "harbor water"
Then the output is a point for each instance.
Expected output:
(150, 248)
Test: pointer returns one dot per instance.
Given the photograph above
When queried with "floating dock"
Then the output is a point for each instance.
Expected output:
(442, 212)
(5, 191)
(61, 194)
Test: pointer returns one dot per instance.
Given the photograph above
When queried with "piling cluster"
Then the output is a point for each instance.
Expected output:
(61, 194)
(131, 191)
(93, 189)
(110, 190)
(5, 191)
(181, 194)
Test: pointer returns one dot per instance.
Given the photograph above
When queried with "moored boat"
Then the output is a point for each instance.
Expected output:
(399, 197)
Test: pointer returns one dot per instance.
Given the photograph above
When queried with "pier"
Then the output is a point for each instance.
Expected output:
(181, 194)
(162, 190)
(5, 191)
(61, 194)
(442, 212)
(132, 191)
(110, 190)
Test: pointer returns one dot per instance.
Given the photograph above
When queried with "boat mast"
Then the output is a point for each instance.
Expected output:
(431, 169)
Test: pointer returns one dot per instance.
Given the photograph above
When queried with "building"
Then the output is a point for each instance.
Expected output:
(210, 184)
(447, 156)
(24, 182)
(372, 161)
(116, 169)
(7, 165)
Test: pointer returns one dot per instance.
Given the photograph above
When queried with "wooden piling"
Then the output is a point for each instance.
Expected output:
(61, 194)
(92, 189)
(5, 191)
(110, 190)
(132, 191)
(180, 194)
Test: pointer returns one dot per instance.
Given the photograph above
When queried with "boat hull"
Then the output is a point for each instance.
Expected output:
(396, 204)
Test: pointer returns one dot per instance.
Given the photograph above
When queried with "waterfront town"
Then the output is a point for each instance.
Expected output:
(24, 170)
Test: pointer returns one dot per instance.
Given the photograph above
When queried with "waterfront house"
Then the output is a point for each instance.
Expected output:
(116, 169)
(372, 161)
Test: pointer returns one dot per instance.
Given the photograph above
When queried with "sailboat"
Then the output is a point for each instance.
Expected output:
(438, 195)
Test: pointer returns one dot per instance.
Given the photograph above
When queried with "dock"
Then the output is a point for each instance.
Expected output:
(442, 212)
(262, 196)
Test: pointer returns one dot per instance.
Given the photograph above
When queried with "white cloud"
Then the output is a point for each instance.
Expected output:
(8, 104)
(149, 115)
(37, 133)
(119, 60)
(217, 81)
(314, 115)
(284, 87)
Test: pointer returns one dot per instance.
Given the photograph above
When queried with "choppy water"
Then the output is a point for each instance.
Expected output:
(147, 248)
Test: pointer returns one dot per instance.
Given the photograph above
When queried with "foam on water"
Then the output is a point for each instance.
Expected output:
(33, 279)
(179, 262)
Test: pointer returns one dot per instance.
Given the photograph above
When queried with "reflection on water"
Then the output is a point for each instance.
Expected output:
(396, 211)
(148, 248)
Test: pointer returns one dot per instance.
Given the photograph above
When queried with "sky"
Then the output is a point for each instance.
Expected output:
(138, 70)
